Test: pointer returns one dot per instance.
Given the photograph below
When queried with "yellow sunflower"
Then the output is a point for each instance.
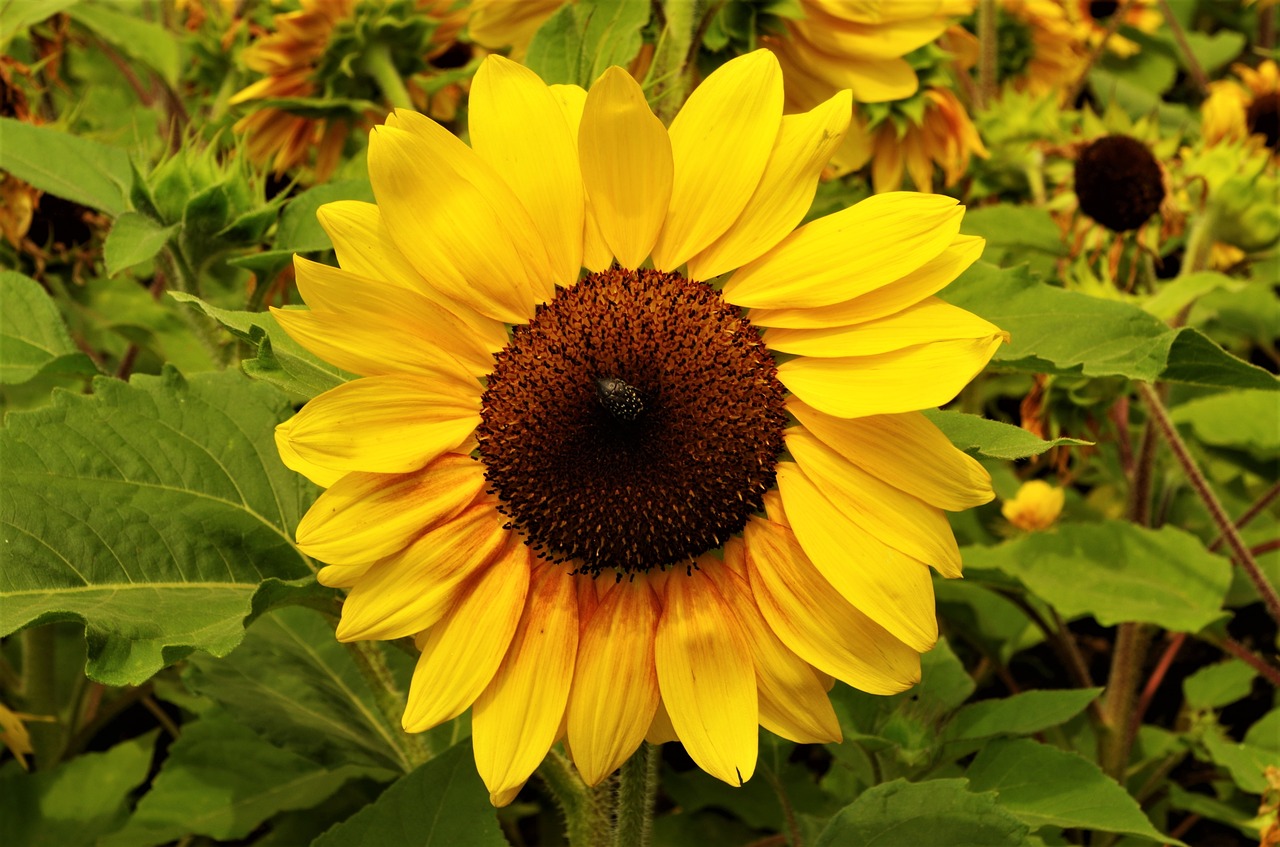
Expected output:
(1237, 109)
(498, 24)
(569, 486)
(1039, 51)
(1093, 21)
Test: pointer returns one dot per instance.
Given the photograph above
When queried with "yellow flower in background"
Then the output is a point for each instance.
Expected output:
(944, 137)
(568, 487)
(1247, 106)
(498, 24)
(1039, 51)
(1093, 21)
(1035, 507)
(14, 735)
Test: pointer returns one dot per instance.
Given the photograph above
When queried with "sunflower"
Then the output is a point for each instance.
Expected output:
(498, 24)
(1038, 51)
(568, 485)
(1237, 109)
(1093, 21)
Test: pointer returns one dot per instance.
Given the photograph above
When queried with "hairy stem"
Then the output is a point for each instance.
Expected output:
(585, 810)
(989, 52)
(1115, 740)
(637, 788)
(412, 748)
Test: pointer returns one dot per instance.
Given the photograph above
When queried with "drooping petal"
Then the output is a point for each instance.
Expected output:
(626, 165)
(707, 678)
(615, 684)
(793, 702)
(515, 720)
(385, 424)
(876, 80)
(907, 380)
(321, 476)
(366, 516)
(906, 451)
(816, 623)
(848, 253)
(518, 127)
(890, 587)
(903, 522)
(459, 657)
(928, 321)
(596, 255)
(720, 142)
(409, 591)
(847, 39)
(929, 278)
(456, 220)
(800, 152)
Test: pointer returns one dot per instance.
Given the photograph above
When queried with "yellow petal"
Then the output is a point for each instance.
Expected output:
(900, 520)
(369, 300)
(321, 476)
(661, 731)
(906, 451)
(596, 255)
(456, 220)
(518, 127)
(516, 719)
(626, 165)
(462, 653)
(367, 516)
(849, 253)
(800, 152)
(876, 80)
(615, 685)
(927, 321)
(707, 678)
(720, 142)
(409, 591)
(793, 703)
(929, 278)
(385, 424)
(342, 576)
(900, 381)
(863, 41)
(367, 346)
(816, 623)
(890, 587)
(365, 248)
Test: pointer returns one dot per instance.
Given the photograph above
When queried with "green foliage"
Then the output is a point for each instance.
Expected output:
(992, 438)
(33, 339)
(581, 40)
(901, 812)
(66, 165)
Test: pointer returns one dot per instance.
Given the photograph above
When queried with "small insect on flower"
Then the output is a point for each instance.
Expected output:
(622, 401)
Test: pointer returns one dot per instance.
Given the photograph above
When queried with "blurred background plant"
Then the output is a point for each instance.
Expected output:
(1108, 676)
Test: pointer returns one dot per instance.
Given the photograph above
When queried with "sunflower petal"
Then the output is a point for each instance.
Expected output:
(816, 623)
(907, 380)
(720, 142)
(518, 127)
(906, 451)
(321, 476)
(707, 678)
(626, 165)
(927, 321)
(877, 80)
(661, 731)
(596, 255)
(459, 657)
(366, 516)
(803, 147)
(516, 719)
(615, 684)
(848, 253)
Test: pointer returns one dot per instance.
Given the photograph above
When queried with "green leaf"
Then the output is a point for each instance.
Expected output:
(1213, 51)
(1177, 294)
(296, 686)
(1248, 760)
(940, 813)
(1045, 786)
(1215, 686)
(441, 804)
(281, 361)
(1020, 714)
(580, 41)
(20, 14)
(221, 780)
(1016, 234)
(66, 166)
(1117, 572)
(75, 803)
(299, 230)
(1236, 419)
(149, 43)
(33, 338)
(1197, 359)
(975, 434)
(153, 512)
(134, 238)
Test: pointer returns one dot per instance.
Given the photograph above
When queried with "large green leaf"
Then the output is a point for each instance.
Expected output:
(221, 780)
(998, 440)
(281, 361)
(20, 14)
(1021, 714)
(33, 338)
(75, 803)
(296, 686)
(1045, 786)
(66, 165)
(134, 238)
(149, 43)
(1215, 686)
(1064, 332)
(1116, 572)
(1244, 420)
(441, 804)
(939, 813)
(153, 512)
(581, 40)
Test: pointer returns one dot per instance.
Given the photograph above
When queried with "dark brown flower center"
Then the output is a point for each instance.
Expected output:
(1118, 182)
(1264, 118)
(634, 423)
(1100, 10)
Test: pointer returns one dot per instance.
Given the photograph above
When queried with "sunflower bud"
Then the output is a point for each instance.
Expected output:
(1036, 506)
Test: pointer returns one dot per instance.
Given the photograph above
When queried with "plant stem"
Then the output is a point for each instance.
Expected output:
(585, 810)
(1115, 741)
(39, 669)
(1252, 512)
(794, 839)
(1117, 17)
(412, 747)
(637, 788)
(1244, 654)
(1196, 477)
(377, 63)
(989, 52)
(1143, 474)
(1157, 677)
(1193, 66)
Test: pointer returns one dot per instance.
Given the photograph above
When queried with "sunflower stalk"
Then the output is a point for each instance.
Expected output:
(40, 690)
(376, 61)
(988, 58)
(371, 662)
(585, 811)
(637, 788)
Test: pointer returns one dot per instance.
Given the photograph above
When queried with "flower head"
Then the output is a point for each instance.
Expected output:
(1035, 507)
(1093, 19)
(571, 487)
(1246, 107)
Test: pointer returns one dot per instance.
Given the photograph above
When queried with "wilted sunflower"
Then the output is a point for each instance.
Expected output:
(570, 488)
